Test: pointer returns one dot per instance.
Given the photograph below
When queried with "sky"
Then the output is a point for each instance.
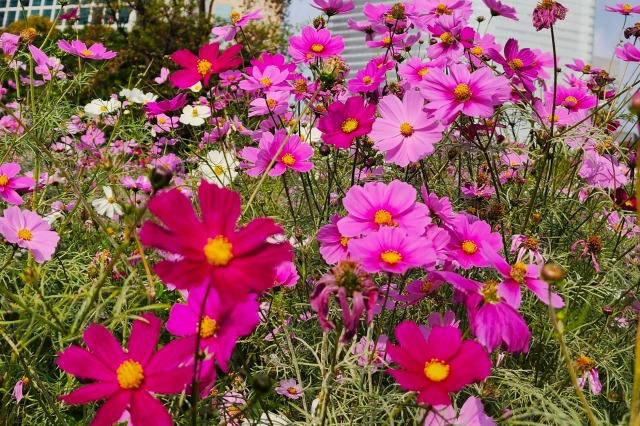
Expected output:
(608, 25)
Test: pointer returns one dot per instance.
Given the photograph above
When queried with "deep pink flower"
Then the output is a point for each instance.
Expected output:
(9, 43)
(438, 365)
(390, 250)
(367, 79)
(234, 262)
(471, 414)
(546, 13)
(28, 230)
(286, 151)
(623, 9)
(474, 94)
(162, 107)
(346, 121)
(628, 52)
(9, 182)
(518, 62)
(471, 240)
(333, 7)
(453, 35)
(97, 51)
(581, 66)
(46, 66)
(333, 245)
(70, 15)
(572, 98)
(415, 69)
(127, 378)
(499, 9)
(521, 273)
(208, 62)
(218, 322)
(404, 132)
(376, 205)
(270, 78)
(313, 44)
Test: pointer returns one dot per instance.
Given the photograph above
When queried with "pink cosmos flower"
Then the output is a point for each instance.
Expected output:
(333, 245)
(376, 205)
(141, 183)
(404, 132)
(228, 33)
(268, 79)
(287, 152)
(17, 390)
(346, 121)
(286, 275)
(9, 43)
(127, 378)
(275, 103)
(471, 414)
(347, 281)
(289, 388)
(200, 68)
(453, 35)
(162, 107)
(628, 52)
(333, 7)
(45, 65)
(28, 230)
(367, 79)
(474, 94)
(585, 367)
(9, 182)
(313, 44)
(562, 116)
(390, 250)
(435, 9)
(471, 240)
(97, 51)
(572, 98)
(518, 62)
(546, 13)
(438, 365)
(70, 15)
(499, 9)
(521, 273)
(581, 66)
(218, 324)
(415, 69)
(234, 262)
(623, 9)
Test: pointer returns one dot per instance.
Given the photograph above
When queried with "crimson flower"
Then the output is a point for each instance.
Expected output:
(127, 378)
(201, 67)
(346, 121)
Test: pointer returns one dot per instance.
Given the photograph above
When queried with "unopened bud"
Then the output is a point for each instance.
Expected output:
(160, 178)
(324, 150)
(635, 103)
(552, 273)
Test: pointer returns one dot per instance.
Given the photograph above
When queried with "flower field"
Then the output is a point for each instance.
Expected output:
(446, 236)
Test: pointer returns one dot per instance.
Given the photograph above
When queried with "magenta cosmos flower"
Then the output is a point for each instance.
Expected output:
(470, 241)
(368, 79)
(28, 230)
(519, 62)
(346, 121)
(234, 261)
(546, 13)
(9, 182)
(499, 9)
(623, 9)
(209, 61)
(404, 132)
(286, 151)
(97, 51)
(474, 94)
(333, 7)
(221, 324)
(438, 365)
(628, 52)
(377, 205)
(391, 250)
(127, 378)
(313, 44)
(333, 245)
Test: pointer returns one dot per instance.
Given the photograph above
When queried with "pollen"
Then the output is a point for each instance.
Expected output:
(447, 38)
(111, 200)
(436, 370)
(391, 257)
(552, 118)
(24, 234)
(288, 159)
(130, 374)
(382, 217)
(235, 16)
(442, 9)
(292, 390)
(367, 80)
(271, 103)
(426, 285)
(423, 71)
(86, 52)
(626, 7)
(477, 50)
(349, 125)
(344, 241)
(4, 180)
(594, 243)
(218, 251)
(317, 48)
(266, 81)
(208, 327)
(386, 41)
(469, 247)
(518, 271)
(571, 100)
(104, 108)
(406, 129)
(515, 64)
(218, 169)
(204, 67)
(489, 291)
(530, 243)
(462, 93)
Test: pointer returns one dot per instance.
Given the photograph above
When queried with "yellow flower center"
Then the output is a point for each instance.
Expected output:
(208, 327)
(271, 103)
(406, 129)
(571, 100)
(234, 16)
(204, 67)
(469, 247)
(462, 93)
(423, 71)
(195, 113)
(349, 125)
(266, 81)
(382, 217)
(288, 159)
(585, 363)
(489, 291)
(292, 390)
(391, 257)
(130, 374)
(518, 271)
(436, 370)
(447, 38)
(218, 251)
(317, 48)
(442, 9)
(4, 180)
(530, 243)
(386, 41)
(476, 50)
(103, 108)
(367, 80)
(626, 7)
(86, 52)
(426, 285)
(24, 234)
(111, 200)
(344, 241)
(515, 64)
(218, 169)
(552, 118)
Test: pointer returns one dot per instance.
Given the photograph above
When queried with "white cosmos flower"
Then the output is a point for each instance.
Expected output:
(196, 87)
(219, 168)
(98, 106)
(107, 206)
(195, 115)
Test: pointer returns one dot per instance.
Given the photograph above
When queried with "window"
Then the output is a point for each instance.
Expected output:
(3, 4)
(1, 19)
(84, 16)
(35, 13)
(36, 2)
(48, 2)
(11, 17)
(13, 3)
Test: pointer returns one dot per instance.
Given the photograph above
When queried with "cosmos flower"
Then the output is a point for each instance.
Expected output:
(471, 414)
(107, 206)
(333, 7)
(29, 231)
(438, 365)
(333, 245)
(127, 378)
(97, 51)
(286, 152)
(546, 13)
(499, 9)
(219, 168)
(470, 240)
(289, 388)
(313, 44)
(9, 182)
(200, 68)
(623, 9)
(346, 121)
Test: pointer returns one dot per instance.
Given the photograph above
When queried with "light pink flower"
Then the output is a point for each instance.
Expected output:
(97, 51)
(28, 230)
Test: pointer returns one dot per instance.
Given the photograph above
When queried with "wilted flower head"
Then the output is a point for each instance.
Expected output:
(546, 13)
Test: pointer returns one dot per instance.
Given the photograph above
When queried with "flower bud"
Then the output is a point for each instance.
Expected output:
(262, 383)
(160, 178)
(634, 107)
(552, 273)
